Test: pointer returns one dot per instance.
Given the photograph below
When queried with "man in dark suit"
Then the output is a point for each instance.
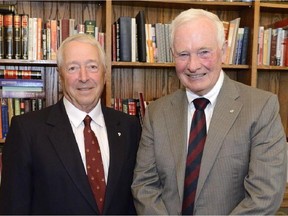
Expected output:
(44, 163)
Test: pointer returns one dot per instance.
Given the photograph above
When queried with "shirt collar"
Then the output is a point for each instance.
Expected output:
(76, 116)
(212, 94)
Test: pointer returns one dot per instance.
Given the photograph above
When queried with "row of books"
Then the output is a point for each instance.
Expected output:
(10, 107)
(238, 42)
(135, 40)
(24, 37)
(131, 106)
(273, 44)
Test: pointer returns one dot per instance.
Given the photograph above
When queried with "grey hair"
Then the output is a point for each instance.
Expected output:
(193, 14)
(84, 38)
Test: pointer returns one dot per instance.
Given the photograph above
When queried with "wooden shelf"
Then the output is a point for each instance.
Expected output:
(164, 65)
(28, 62)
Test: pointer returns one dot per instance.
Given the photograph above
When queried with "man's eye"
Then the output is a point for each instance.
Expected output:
(92, 68)
(204, 53)
(73, 69)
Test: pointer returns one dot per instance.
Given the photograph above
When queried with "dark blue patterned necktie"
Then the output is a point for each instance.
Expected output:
(195, 149)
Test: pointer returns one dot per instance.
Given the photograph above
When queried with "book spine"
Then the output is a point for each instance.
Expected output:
(20, 74)
(89, 26)
(5, 119)
(22, 94)
(39, 51)
(53, 25)
(1, 36)
(125, 39)
(141, 37)
(245, 46)
(24, 36)
(17, 36)
(8, 36)
(44, 43)
(22, 82)
(4, 8)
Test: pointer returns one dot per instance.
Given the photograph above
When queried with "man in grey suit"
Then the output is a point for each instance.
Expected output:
(243, 166)
(45, 170)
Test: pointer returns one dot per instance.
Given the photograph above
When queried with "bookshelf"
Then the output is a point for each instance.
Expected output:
(125, 79)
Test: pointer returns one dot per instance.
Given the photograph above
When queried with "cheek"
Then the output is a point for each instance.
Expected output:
(180, 67)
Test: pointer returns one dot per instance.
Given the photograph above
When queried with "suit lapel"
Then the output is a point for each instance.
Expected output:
(225, 113)
(63, 140)
(117, 146)
(176, 116)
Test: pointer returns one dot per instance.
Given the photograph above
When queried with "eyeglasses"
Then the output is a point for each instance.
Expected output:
(201, 54)
(75, 68)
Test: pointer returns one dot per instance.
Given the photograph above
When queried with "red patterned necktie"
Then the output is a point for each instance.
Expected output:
(195, 149)
(94, 165)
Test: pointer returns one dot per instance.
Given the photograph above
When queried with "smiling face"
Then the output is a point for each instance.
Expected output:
(198, 56)
(82, 75)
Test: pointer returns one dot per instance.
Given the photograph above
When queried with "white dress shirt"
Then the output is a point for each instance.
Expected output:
(76, 118)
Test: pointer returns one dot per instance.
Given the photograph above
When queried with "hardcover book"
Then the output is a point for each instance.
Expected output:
(20, 74)
(1, 36)
(141, 37)
(24, 36)
(8, 36)
(17, 36)
(125, 38)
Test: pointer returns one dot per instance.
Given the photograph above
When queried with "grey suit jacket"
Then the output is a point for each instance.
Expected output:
(243, 168)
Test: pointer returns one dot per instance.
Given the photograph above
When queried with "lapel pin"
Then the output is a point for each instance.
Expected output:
(119, 134)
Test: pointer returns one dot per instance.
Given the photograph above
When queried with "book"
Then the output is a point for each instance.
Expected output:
(64, 29)
(279, 42)
(237, 57)
(17, 36)
(142, 104)
(53, 39)
(8, 36)
(22, 94)
(24, 36)
(160, 42)
(20, 74)
(125, 38)
(245, 45)
(273, 47)
(141, 37)
(133, 40)
(260, 45)
(281, 24)
(267, 46)
(2, 37)
(48, 39)
(89, 26)
(232, 34)
(5, 8)
(5, 118)
(22, 88)
(114, 42)
(32, 35)
(22, 82)
(71, 27)
(39, 51)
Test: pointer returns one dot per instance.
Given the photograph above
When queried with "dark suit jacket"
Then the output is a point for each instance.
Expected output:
(43, 172)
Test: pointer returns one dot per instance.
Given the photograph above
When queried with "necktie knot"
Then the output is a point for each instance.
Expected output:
(87, 120)
(200, 103)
